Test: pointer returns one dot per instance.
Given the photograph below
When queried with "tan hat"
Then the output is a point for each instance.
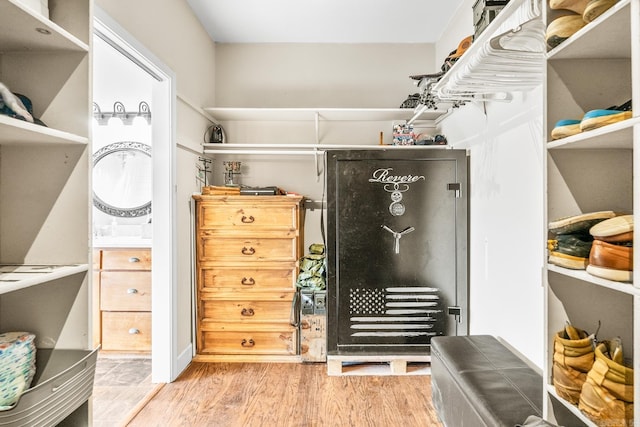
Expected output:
(462, 47)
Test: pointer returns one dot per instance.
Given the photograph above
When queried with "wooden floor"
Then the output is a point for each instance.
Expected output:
(287, 395)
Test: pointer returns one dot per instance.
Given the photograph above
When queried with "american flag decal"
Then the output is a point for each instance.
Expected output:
(394, 311)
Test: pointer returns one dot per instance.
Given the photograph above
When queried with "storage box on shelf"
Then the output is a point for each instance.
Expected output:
(44, 205)
(247, 251)
(596, 68)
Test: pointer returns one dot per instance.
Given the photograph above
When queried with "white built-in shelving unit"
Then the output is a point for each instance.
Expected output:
(45, 204)
(319, 117)
(596, 68)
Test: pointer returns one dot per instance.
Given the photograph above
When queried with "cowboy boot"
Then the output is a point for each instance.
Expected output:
(607, 394)
(573, 357)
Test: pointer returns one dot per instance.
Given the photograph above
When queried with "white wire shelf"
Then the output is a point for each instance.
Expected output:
(321, 114)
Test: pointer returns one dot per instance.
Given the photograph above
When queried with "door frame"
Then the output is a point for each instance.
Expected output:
(164, 348)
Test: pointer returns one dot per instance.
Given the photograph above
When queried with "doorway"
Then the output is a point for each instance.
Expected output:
(159, 95)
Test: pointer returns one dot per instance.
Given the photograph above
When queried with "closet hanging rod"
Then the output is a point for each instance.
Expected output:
(316, 150)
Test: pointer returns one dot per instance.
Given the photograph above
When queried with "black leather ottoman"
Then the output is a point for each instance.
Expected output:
(477, 381)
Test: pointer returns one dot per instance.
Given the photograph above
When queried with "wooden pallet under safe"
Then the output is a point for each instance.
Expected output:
(379, 365)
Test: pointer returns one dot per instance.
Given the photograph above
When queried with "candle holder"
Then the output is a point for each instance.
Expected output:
(231, 169)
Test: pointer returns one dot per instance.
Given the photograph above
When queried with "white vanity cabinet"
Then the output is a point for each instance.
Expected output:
(45, 204)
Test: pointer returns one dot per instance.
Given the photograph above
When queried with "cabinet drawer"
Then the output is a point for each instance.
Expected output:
(249, 249)
(276, 342)
(126, 259)
(247, 216)
(125, 290)
(237, 279)
(126, 331)
(250, 311)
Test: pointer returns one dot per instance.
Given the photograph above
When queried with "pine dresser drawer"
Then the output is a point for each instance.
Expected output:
(247, 249)
(273, 342)
(126, 331)
(244, 215)
(249, 279)
(125, 291)
(123, 259)
(249, 310)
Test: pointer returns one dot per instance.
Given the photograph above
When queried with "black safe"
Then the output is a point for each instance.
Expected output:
(396, 249)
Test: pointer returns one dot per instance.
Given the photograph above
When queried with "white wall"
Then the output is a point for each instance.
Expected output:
(506, 240)
(174, 35)
(311, 75)
(318, 75)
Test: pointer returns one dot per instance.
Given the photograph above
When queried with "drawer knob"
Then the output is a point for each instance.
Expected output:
(247, 220)
(249, 343)
(249, 251)
(134, 331)
(132, 291)
(247, 312)
(248, 282)
(134, 259)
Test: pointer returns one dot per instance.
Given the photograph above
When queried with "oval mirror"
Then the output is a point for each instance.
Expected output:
(122, 179)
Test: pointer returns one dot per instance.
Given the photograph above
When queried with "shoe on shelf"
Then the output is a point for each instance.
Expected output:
(562, 28)
(607, 394)
(611, 261)
(570, 250)
(597, 118)
(596, 8)
(618, 229)
(573, 357)
(577, 224)
(565, 128)
(624, 107)
(576, 6)
(568, 261)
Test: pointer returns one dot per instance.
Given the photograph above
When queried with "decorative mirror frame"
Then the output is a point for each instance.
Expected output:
(115, 147)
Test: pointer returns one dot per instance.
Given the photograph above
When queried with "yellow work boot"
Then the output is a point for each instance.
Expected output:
(596, 8)
(573, 357)
(607, 394)
(576, 6)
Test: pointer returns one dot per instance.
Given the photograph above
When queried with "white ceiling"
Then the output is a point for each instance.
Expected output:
(325, 21)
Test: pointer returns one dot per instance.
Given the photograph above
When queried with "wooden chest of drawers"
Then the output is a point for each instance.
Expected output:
(247, 251)
(122, 307)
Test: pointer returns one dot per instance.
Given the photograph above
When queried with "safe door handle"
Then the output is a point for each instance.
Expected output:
(248, 251)
(249, 343)
(248, 282)
(247, 220)
(247, 312)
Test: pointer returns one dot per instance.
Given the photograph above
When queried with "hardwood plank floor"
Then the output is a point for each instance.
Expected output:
(288, 395)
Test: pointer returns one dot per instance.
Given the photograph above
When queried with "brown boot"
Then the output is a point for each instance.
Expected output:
(572, 358)
(607, 394)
